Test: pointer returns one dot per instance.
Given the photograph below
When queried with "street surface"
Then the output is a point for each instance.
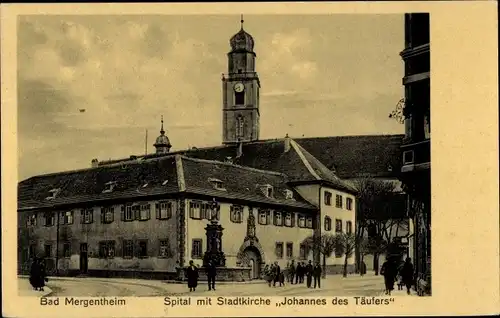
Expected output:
(334, 285)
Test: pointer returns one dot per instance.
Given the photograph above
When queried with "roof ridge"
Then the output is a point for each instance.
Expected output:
(306, 163)
(233, 165)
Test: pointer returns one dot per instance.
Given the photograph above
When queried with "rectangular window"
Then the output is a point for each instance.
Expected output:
(309, 222)
(278, 219)
(136, 211)
(288, 219)
(348, 203)
(68, 217)
(338, 225)
(49, 219)
(236, 214)
(302, 221)
(279, 250)
(87, 216)
(328, 198)
(164, 210)
(61, 218)
(164, 250)
(107, 249)
(338, 201)
(239, 98)
(129, 213)
(48, 250)
(67, 249)
(145, 212)
(328, 223)
(128, 248)
(264, 217)
(348, 227)
(143, 249)
(289, 250)
(107, 215)
(195, 210)
(31, 221)
(197, 249)
(303, 251)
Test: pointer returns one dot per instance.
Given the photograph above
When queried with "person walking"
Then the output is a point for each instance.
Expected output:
(42, 274)
(298, 272)
(287, 271)
(317, 275)
(309, 272)
(268, 274)
(407, 274)
(362, 270)
(291, 273)
(211, 273)
(35, 274)
(389, 273)
(276, 274)
(192, 276)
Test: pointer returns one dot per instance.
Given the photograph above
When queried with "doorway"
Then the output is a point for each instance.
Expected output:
(254, 260)
(84, 261)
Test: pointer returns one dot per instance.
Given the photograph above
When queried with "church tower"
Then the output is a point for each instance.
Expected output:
(240, 89)
(162, 143)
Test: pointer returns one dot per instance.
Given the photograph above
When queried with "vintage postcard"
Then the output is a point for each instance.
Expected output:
(249, 159)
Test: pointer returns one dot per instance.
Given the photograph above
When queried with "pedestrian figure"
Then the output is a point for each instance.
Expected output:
(287, 271)
(309, 272)
(268, 274)
(35, 274)
(291, 273)
(317, 275)
(298, 272)
(362, 268)
(303, 273)
(42, 274)
(277, 274)
(211, 273)
(407, 275)
(389, 273)
(192, 276)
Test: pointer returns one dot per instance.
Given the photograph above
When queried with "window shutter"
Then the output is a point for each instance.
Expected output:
(122, 213)
(268, 216)
(137, 212)
(275, 219)
(82, 216)
(102, 216)
(157, 210)
(91, 216)
(231, 213)
(170, 207)
(293, 218)
(191, 210)
(149, 211)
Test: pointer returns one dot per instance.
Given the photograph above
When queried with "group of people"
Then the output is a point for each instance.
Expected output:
(192, 275)
(38, 274)
(392, 270)
(293, 274)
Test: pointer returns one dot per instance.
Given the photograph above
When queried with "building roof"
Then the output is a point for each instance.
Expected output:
(153, 177)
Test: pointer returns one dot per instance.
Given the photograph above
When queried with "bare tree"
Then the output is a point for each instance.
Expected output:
(324, 243)
(377, 212)
(345, 243)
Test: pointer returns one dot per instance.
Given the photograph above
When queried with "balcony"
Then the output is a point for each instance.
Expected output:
(416, 156)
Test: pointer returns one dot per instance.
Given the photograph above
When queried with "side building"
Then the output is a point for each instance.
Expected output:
(416, 147)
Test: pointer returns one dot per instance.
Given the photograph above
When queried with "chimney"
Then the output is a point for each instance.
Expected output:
(94, 163)
(239, 151)
(287, 143)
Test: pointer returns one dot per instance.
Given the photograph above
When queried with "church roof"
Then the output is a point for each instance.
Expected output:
(155, 177)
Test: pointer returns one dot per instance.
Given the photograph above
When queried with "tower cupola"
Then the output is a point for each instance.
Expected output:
(162, 143)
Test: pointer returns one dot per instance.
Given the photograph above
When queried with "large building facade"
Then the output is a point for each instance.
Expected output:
(416, 163)
(145, 216)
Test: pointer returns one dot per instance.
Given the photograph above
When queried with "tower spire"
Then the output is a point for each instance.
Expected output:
(242, 21)
(162, 131)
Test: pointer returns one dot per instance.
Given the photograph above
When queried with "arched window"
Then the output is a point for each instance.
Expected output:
(240, 125)
(328, 223)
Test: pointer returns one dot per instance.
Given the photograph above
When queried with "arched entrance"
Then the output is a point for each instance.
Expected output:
(251, 257)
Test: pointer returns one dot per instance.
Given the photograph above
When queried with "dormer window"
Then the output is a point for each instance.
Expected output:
(53, 193)
(164, 182)
(109, 187)
(288, 194)
(267, 190)
(217, 184)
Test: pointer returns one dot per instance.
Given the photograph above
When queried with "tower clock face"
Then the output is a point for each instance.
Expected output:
(239, 87)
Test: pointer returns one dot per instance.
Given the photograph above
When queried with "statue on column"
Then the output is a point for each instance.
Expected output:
(214, 230)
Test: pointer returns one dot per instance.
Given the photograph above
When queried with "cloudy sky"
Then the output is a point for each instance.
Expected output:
(320, 76)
